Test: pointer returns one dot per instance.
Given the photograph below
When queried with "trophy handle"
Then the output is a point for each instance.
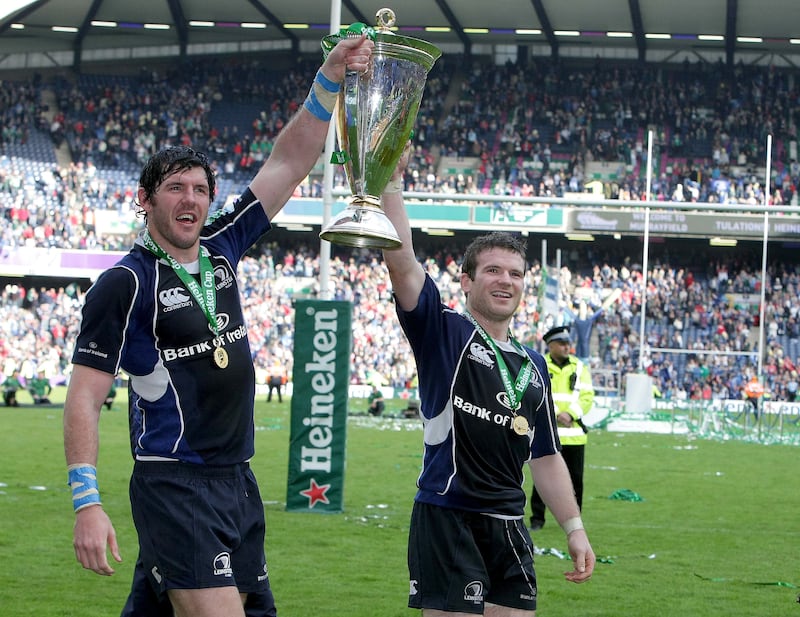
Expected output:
(385, 19)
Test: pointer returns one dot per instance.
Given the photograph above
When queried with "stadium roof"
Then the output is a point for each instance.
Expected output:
(753, 31)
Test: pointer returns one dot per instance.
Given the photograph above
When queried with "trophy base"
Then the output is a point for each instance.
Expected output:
(362, 226)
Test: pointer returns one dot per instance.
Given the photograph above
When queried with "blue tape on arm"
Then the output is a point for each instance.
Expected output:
(83, 482)
(315, 107)
(330, 86)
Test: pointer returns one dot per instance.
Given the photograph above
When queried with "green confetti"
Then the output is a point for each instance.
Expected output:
(740, 581)
(626, 494)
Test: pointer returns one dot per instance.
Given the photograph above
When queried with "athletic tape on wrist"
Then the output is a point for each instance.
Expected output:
(393, 186)
(572, 524)
(82, 480)
(322, 97)
(327, 84)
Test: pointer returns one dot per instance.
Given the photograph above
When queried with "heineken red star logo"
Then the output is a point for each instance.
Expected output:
(316, 493)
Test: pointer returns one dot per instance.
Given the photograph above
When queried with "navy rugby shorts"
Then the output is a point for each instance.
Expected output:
(199, 526)
(458, 560)
(143, 601)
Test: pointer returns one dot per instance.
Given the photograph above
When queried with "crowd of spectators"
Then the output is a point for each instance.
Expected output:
(710, 128)
(702, 326)
(531, 129)
(701, 329)
(528, 129)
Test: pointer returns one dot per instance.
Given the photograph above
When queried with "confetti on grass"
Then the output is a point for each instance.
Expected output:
(742, 582)
(625, 494)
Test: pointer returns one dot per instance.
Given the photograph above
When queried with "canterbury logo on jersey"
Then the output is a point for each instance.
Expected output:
(174, 298)
(479, 353)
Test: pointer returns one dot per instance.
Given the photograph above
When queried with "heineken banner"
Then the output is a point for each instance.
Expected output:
(319, 406)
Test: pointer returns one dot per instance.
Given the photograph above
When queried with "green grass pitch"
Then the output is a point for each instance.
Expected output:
(715, 533)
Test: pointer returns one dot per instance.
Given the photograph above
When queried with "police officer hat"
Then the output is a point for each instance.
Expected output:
(559, 333)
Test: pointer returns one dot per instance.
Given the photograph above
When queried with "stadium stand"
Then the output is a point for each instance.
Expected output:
(540, 129)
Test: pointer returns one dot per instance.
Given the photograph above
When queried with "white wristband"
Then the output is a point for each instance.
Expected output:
(572, 524)
(393, 186)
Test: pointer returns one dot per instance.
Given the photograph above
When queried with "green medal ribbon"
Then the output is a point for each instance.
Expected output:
(206, 297)
(516, 390)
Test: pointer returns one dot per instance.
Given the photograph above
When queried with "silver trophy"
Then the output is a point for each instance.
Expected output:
(375, 113)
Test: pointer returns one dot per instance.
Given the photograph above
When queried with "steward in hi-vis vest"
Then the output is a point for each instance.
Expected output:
(573, 397)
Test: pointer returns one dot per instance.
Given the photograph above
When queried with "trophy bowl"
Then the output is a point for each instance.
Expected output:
(374, 116)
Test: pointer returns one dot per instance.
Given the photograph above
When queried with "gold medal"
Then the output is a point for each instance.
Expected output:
(220, 357)
(520, 425)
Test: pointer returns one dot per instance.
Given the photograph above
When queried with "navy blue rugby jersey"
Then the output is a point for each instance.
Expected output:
(139, 317)
(473, 460)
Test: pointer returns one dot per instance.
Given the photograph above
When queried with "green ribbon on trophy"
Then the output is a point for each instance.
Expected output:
(357, 29)
(341, 157)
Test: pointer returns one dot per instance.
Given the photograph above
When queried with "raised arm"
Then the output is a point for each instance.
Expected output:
(405, 271)
(302, 140)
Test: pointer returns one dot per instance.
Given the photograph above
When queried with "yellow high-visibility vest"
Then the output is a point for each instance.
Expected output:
(575, 401)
